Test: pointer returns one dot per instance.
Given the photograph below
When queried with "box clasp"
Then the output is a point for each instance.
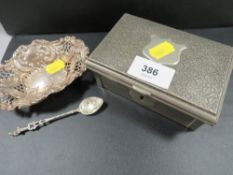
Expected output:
(141, 96)
(141, 91)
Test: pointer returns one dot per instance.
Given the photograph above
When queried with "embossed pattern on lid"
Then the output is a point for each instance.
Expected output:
(201, 76)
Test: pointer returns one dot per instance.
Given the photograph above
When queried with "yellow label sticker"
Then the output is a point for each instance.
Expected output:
(161, 50)
(55, 66)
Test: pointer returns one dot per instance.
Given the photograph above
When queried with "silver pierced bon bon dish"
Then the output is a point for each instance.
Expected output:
(39, 69)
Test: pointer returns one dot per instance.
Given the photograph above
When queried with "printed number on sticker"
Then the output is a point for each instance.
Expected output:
(150, 70)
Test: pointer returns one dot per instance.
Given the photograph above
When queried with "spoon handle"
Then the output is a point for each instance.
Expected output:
(40, 123)
(60, 116)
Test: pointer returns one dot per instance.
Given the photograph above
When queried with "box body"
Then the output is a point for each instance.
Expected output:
(202, 70)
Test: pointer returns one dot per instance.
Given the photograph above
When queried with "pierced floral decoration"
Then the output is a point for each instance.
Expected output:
(39, 69)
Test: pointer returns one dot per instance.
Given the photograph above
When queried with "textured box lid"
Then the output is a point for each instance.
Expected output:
(202, 75)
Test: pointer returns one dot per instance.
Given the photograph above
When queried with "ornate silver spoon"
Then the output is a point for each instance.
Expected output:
(88, 106)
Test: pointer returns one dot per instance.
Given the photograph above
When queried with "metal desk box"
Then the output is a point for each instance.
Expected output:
(202, 69)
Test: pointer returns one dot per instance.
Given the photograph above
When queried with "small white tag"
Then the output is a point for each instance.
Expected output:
(151, 72)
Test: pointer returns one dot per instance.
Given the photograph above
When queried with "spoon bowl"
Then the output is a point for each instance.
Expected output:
(90, 105)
